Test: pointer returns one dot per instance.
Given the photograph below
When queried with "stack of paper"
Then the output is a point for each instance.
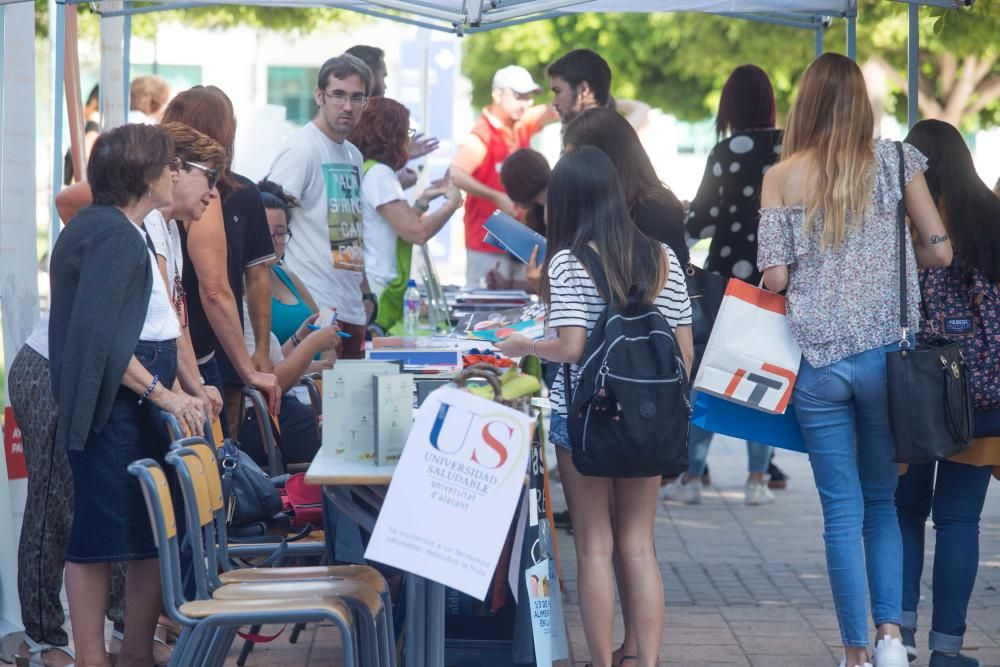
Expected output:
(367, 411)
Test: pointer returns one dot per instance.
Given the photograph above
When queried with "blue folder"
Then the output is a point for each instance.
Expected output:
(717, 415)
(515, 237)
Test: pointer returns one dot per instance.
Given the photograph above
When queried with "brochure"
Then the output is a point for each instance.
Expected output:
(513, 236)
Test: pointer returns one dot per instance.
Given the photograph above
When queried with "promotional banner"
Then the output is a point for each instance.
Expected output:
(751, 357)
(449, 507)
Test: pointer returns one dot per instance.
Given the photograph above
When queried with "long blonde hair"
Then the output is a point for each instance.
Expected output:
(832, 118)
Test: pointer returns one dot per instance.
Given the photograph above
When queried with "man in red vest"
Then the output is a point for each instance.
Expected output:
(504, 127)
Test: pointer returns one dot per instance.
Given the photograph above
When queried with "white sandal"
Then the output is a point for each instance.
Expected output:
(36, 651)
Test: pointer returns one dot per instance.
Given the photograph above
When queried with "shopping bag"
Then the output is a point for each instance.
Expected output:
(718, 415)
(751, 358)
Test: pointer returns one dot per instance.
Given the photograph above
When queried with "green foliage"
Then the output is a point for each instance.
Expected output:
(215, 17)
(678, 62)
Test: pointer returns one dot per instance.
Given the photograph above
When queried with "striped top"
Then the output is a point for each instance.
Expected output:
(575, 302)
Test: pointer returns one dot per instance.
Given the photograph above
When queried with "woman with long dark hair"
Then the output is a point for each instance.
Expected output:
(653, 207)
(829, 235)
(587, 209)
(953, 491)
(725, 210)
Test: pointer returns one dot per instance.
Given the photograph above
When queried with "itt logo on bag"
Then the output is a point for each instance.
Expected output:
(768, 388)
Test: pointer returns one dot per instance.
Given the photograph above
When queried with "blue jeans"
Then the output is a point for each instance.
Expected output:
(843, 413)
(758, 454)
(558, 431)
(955, 496)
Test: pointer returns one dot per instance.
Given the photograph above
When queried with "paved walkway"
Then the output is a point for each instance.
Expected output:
(744, 585)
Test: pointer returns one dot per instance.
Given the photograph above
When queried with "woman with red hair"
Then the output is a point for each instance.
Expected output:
(391, 225)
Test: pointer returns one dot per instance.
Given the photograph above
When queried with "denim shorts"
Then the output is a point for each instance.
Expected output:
(558, 434)
(110, 521)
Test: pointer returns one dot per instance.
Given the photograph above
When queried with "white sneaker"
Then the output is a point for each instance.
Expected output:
(890, 652)
(757, 493)
(843, 663)
(689, 494)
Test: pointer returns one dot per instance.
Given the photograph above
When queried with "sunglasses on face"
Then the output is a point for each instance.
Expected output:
(211, 174)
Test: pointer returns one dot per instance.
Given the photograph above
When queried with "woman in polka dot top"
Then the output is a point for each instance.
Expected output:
(728, 200)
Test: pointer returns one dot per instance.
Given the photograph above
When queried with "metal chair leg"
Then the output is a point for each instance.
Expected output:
(247, 647)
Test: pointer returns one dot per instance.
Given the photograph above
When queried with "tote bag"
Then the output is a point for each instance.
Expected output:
(751, 358)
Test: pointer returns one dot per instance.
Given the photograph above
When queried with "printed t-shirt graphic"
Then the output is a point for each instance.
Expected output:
(343, 196)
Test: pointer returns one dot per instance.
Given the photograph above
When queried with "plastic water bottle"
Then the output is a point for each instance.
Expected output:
(411, 308)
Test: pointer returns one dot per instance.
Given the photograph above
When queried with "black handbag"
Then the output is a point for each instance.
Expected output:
(930, 399)
(250, 495)
(705, 290)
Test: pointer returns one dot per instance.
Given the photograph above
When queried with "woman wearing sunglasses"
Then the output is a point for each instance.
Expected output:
(232, 242)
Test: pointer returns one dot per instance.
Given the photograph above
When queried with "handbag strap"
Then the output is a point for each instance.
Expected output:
(901, 228)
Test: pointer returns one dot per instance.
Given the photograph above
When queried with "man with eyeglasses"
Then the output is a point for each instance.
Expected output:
(502, 129)
(322, 170)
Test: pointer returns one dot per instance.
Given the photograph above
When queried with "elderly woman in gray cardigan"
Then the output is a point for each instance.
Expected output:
(113, 361)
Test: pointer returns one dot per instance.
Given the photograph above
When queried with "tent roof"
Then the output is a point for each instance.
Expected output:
(463, 16)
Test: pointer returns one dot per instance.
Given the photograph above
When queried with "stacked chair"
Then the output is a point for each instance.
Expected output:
(354, 598)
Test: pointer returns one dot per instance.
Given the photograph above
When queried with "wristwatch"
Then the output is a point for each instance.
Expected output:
(369, 296)
(421, 206)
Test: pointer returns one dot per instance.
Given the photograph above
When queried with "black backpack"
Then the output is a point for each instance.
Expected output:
(628, 414)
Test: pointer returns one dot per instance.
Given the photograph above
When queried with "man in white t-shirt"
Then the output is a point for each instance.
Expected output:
(322, 170)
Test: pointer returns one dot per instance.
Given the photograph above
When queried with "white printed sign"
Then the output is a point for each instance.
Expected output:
(548, 628)
(452, 497)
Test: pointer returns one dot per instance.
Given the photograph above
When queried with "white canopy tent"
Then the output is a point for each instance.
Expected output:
(18, 289)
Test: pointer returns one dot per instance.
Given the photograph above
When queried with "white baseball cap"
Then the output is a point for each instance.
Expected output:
(515, 78)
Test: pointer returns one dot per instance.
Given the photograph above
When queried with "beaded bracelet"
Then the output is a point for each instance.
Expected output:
(149, 389)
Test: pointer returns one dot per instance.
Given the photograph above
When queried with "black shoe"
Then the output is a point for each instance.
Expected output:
(778, 479)
(909, 643)
(958, 660)
(561, 519)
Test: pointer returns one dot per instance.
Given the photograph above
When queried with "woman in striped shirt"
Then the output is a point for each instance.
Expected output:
(586, 207)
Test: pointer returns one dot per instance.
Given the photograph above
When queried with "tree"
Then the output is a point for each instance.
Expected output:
(679, 62)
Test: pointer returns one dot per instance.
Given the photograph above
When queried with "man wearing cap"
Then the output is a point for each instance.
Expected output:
(502, 129)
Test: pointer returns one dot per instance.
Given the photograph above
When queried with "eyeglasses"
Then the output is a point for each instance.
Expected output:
(211, 174)
(284, 236)
(340, 98)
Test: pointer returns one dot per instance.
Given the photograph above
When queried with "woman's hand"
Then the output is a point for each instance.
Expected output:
(187, 410)
(497, 280)
(304, 330)
(325, 339)
(515, 345)
(211, 402)
(532, 271)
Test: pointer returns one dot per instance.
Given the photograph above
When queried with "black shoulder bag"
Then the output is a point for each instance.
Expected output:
(930, 400)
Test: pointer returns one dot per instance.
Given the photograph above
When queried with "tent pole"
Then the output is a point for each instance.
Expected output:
(852, 37)
(913, 66)
(127, 62)
(57, 35)
(820, 33)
